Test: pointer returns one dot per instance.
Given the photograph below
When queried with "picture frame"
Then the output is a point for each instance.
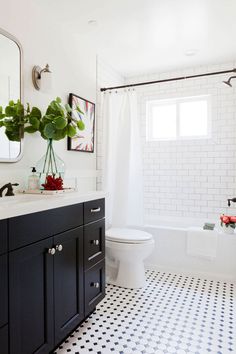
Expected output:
(84, 140)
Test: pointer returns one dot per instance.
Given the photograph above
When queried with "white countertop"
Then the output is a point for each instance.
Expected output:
(22, 204)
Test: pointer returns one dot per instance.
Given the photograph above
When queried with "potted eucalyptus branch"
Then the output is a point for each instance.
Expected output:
(55, 124)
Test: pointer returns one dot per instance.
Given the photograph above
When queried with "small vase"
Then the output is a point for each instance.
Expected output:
(227, 229)
(50, 164)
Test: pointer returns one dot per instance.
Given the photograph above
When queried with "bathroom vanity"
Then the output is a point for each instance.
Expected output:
(52, 268)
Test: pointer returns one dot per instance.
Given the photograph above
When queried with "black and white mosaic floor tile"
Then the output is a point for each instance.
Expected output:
(173, 314)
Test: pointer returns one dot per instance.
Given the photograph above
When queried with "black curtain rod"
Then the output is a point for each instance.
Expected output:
(168, 80)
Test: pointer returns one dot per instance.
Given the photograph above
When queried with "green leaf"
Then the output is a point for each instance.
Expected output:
(71, 131)
(19, 109)
(48, 118)
(28, 108)
(80, 125)
(60, 122)
(68, 108)
(34, 122)
(11, 103)
(9, 128)
(79, 110)
(58, 100)
(35, 112)
(59, 134)
(49, 130)
(13, 136)
(10, 111)
(30, 129)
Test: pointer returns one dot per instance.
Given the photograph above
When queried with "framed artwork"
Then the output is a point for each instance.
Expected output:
(84, 139)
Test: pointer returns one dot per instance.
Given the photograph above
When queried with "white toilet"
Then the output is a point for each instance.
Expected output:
(126, 249)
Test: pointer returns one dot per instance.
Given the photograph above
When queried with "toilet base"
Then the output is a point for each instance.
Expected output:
(130, 275)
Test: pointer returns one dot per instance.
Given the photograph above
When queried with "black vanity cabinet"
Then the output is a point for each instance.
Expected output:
(56, 275)
(3, 288)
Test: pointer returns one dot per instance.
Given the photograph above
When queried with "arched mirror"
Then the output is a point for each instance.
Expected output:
(10, 89)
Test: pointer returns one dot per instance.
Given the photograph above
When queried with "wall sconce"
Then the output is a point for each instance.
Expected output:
(39, 79)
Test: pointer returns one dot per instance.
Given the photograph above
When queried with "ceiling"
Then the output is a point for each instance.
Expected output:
(143, 36)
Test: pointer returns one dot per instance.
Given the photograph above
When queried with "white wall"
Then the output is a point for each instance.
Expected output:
(72, 60)
(191, 178)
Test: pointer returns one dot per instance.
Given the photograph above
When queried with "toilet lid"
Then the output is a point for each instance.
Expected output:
(127, 235)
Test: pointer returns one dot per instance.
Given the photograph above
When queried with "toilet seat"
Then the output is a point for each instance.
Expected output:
(124, 235)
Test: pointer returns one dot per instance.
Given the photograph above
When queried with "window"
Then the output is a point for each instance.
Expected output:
(178, 118)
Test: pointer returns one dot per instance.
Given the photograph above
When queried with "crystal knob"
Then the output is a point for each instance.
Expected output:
(51, 251)
(95, 285)
(59, 248)
(95, 242)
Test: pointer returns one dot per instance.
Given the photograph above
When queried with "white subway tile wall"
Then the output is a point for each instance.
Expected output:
(186, 178)
(191, 178)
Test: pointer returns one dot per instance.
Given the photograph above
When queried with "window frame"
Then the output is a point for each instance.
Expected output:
(177, 101)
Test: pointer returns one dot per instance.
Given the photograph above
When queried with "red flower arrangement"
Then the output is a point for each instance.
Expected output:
(53, 184)
(228, 221)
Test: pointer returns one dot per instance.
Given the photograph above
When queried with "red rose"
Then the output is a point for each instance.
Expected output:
(232, 218)
(221, 217)
(53, 183)
(226, 219)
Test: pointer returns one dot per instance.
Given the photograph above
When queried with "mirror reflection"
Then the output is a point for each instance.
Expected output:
(10, 89)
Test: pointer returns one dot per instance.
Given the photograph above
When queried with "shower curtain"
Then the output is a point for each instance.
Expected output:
(122, 160)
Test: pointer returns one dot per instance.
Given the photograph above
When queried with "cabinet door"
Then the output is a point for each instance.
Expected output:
(94, 286)
(31, 299)
(94, 243)
(68, 282)
(4, 340)
(3, 291)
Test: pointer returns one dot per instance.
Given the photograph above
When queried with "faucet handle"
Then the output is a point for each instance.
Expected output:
(231, 200)
(10, 192)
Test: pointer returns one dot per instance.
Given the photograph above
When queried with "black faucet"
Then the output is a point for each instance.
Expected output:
(231, 200)
(9, 187)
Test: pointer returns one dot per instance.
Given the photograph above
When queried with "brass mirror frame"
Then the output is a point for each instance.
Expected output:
(15, 40)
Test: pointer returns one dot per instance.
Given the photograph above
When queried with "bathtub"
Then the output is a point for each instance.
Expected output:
(170, 250)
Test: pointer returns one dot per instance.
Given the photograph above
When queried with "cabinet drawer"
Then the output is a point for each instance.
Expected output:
(94, 286)
(3, 236)
(4, 340)
(3, 291)
(94, 210)
(27, 229)
(94, 243)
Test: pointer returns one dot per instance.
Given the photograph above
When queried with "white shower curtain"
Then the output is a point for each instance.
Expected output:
(122, 160)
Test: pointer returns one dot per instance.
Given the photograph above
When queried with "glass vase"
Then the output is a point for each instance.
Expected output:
(50, 164)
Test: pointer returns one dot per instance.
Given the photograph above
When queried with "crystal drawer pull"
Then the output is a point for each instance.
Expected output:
(51, 251)
(95, 242)
(59, 248)
(95, 285)
(95, 210)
